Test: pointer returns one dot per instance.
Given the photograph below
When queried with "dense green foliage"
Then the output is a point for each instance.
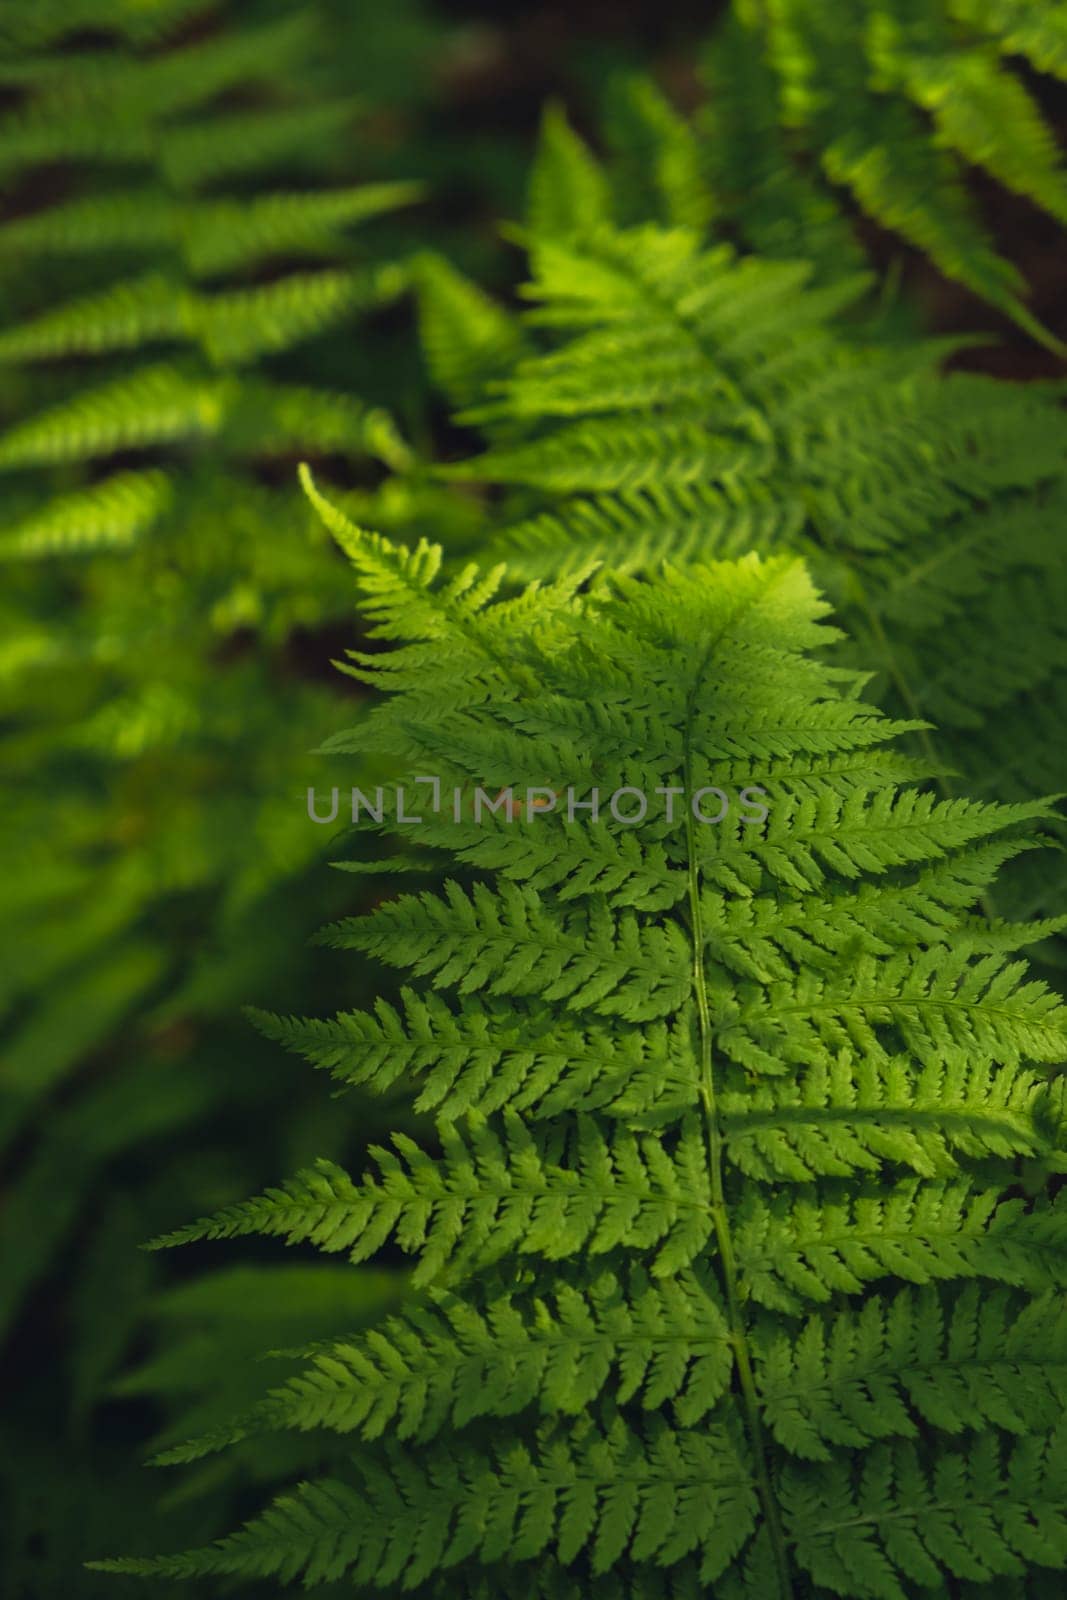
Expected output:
(728, 1155)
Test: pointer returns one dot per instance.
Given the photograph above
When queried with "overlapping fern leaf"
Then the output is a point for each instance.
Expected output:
(688, 403)
(892, 100)
(724, 169)
(724, 1279)
(809, 112)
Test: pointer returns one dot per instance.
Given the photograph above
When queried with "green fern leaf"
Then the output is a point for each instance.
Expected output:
(790, 1093)
(568, 189)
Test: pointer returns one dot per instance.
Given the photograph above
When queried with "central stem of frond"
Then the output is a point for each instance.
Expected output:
(720, 1217)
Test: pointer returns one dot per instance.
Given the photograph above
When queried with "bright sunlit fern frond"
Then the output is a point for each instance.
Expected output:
(723, 1274)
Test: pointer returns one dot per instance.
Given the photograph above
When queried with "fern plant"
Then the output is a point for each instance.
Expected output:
(186, 307)
(724, 1281)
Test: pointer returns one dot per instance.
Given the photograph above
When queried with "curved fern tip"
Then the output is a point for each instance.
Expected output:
(263, 1021)
(307, 481)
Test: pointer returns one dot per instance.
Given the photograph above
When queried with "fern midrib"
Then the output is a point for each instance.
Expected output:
(940, 1363)
(715, 1144)
(894, 1000)
(964, 543)
(909, 1510)
(933, 1114)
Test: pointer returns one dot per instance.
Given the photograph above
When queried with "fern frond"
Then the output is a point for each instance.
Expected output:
(659, 162)
(978, 1514)
(492, 1193)
(567, 187)
(219, 235)
(810, 1249)
(403, 1523)
(64, 122)
(477, 1059)
(508, 944)
(164, 404)
(799, 1090)
(845, 1118)
(237, 326)
(111, 514)
(469, 340)
(779, 209)
(244, 325)
(234, 144)
(1018, 27)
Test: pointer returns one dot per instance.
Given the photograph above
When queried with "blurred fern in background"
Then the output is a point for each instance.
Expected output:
(892, 101)
(196, 233)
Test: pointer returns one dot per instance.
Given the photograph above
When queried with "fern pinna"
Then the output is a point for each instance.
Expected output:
(724, 1282)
